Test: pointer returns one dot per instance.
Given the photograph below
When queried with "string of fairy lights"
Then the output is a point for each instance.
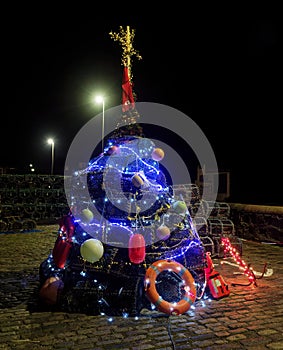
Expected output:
(126, 38)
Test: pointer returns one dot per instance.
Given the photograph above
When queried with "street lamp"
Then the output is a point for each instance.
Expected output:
(100, 99)
(51, 142)
(31, 168)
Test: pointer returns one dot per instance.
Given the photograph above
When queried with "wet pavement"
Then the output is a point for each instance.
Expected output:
(251, 317)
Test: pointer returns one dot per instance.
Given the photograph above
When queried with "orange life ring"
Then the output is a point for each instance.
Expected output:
(162, 305)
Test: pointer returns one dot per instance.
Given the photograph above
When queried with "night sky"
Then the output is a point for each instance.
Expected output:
(222, 68)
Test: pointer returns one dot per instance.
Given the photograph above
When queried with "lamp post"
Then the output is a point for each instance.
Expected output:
(51, 142)
(100, 99)
(31, 168)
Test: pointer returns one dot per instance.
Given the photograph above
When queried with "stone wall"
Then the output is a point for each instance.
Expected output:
(257, 222)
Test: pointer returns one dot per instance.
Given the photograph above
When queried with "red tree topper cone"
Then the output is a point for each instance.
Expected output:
(128, 101)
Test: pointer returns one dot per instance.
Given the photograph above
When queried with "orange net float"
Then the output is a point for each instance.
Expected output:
(175, 308)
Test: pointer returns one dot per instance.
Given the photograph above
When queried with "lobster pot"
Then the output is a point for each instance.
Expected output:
(219, 227)
(228, 227)
(212, 209)
(190, 257)
(58, 182)
(223, 210)
(189, 193)
(125, 295)
(218, 209)
(198, 209)
(3, 226)
(28, 224)
(103, 294)
(235, 241)
(6, 210)
(24, 194)
(200, 223)
(208, 244)
(215, 227)
(10, 181)
(11, 196)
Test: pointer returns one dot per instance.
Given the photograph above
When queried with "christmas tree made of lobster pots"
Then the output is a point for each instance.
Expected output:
(127, 259)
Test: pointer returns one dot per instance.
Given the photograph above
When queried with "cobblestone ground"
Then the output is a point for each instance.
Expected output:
(251, 317)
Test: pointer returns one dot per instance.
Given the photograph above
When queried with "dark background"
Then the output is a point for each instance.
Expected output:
(220, 66)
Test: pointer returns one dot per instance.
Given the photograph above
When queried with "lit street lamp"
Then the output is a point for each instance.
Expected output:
(51, 142)
(100, 99)
(31, 168)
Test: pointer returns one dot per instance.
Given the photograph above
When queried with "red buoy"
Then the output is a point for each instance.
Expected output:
(137, 248)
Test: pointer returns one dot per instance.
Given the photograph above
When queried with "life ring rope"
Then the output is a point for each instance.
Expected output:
(175, 308)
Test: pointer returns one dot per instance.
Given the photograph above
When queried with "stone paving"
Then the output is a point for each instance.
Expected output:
(251, 317)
